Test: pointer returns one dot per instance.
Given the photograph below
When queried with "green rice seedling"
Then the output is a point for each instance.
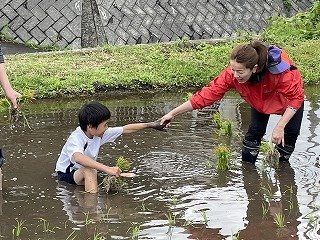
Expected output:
(108, 209)
(290, 204)
(66, 224)
(174, 200)
(265, 209)
(98, 236)
(16, 231)
(123, 163)
(265, 147)
(271, 154)
(204, 216)
(224, 126)
(188, 223)
(289, 190)
(208, 164)
(236, 236)
(171, 219)
(113, 184)
(216, 119)
(267, 191)
(45, 226)
(88, 220)
(223, 155)
(143, 206)
(312, 219)
(279, 220)
(71, 236)
(134, 231)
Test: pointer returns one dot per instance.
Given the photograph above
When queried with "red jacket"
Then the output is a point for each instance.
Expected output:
(272, 95)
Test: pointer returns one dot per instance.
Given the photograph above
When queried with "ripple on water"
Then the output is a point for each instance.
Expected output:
(170, 165)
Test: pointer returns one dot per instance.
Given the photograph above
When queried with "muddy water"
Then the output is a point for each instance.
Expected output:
(173, 182)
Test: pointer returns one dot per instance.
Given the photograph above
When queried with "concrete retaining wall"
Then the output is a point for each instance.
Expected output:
(87, 23)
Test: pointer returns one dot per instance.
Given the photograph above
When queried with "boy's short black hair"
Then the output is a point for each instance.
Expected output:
(93, 113)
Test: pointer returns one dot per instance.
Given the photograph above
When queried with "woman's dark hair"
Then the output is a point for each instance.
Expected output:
(93, 114)
(251, 54)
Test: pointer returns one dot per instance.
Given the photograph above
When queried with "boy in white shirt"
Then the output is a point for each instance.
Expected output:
(77, 162)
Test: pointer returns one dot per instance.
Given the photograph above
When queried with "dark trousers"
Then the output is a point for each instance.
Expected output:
(257, 129)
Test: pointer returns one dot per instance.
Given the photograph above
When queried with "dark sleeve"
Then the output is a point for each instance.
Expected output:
(1, 56)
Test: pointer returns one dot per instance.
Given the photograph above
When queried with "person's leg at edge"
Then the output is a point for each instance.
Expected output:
(291, 133)
(88, 178)
(251, 142)
(2, 160)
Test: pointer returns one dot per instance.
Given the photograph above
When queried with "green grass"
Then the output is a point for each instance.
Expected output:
(112, 68)
(160, 67)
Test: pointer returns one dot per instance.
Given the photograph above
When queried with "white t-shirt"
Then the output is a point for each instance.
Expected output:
(79, 142)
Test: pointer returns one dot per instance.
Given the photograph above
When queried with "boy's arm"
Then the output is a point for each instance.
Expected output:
(90, 163)
(134, 127)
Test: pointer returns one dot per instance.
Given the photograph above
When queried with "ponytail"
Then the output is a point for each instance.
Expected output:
(250, 55)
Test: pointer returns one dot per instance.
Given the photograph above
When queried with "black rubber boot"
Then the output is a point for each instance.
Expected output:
(285, 152)
(250, 151)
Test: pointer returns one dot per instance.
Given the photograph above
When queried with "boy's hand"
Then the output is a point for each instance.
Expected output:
(114, 171)
(156, 125)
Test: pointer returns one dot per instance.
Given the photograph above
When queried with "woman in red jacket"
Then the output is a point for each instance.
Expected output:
(266, 78)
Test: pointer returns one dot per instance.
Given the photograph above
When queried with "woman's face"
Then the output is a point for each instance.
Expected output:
(240, 72)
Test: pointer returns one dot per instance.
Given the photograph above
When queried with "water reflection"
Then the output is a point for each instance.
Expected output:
(89, 214)
(269, 200)
(76, 203)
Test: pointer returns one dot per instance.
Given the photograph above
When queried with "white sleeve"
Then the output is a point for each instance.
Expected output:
(73, 145)
(111, 134)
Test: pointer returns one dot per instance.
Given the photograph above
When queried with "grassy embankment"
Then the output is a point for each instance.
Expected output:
(159, 66)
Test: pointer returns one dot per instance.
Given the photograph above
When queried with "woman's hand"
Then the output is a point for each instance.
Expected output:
(158, 126)
(278, 135)
(184, 107)
(166, 119)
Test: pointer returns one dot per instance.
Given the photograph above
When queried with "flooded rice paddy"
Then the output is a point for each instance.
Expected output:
(176, 193)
